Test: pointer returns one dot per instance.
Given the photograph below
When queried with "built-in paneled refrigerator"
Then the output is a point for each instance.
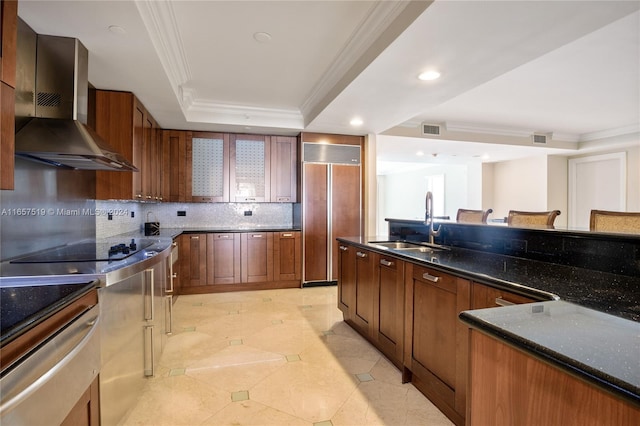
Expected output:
(331, 201)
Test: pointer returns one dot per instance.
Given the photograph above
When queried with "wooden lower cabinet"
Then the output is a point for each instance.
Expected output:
(483, 296)
(371, 297)
(86, 412)
(388, 302)
(346, 280)
(228, 261)
(287, 256)
(509, 387)
(435, 340)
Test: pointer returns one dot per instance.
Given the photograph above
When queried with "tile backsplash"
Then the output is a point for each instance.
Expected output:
(196, 215)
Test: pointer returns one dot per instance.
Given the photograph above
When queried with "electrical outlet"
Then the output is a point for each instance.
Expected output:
(248, 213)
(133, 214)
(109, 216)
(182, 213)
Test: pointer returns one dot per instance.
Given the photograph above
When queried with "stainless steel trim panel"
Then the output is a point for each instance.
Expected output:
(42, 389)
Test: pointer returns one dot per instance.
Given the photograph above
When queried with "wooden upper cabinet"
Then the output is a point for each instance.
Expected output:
(174, 165)
(249, 170)
(284, 165)
(207, 167)
(127, 126)
(9, 37)
(8, 40)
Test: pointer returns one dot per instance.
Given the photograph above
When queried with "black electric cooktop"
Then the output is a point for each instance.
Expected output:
(86, 252)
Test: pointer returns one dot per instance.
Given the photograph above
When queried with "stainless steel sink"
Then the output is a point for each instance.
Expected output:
(406, 246)
(395, 244)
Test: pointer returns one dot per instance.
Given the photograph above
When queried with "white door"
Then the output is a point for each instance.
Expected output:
(596, 182)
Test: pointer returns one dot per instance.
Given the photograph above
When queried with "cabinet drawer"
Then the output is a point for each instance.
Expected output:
(435, 278)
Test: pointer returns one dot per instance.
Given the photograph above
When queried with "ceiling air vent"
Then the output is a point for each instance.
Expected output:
(431, 129)
(540, 138)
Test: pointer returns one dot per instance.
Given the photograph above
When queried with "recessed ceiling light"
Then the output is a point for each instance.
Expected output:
(262, 37)
(356, 122)
(117, 29)
(429, 75)
(419, 153)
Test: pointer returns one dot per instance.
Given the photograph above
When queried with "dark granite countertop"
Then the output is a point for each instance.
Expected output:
(22, 307)
(592, 331)
(611, 293)
(600, 348)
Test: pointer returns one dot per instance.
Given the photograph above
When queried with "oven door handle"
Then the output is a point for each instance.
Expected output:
(87, 333)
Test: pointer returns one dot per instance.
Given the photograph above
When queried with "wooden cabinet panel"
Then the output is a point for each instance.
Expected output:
(122, 121)
(483, 296)
(256, 257)
(8, 41)
(174, 146)
(250, 168)
(435, 340)
(207, 167)
(7, 136)
(194, 261)
(363, 311)
(389, 307)
(86, 412)
(346, 280)
(284, 164)
(508, 387)
(224, 258)
(8, 44)
(316, 222)
(287, 256)
(346, 211)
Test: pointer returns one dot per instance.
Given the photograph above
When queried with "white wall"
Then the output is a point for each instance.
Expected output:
(402, 195)
(557, 188)
(519, 185)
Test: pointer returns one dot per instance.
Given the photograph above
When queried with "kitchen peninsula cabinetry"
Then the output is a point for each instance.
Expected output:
(8, 40)
(483, 296)
(129, 128)
(371, 297)
(250, 167)
(435, 341)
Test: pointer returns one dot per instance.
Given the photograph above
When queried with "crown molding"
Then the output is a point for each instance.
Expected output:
(610, 133)
(203, 111)
(380, 17)
(160, 21)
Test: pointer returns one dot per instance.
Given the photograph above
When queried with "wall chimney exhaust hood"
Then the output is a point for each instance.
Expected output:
(52, 96)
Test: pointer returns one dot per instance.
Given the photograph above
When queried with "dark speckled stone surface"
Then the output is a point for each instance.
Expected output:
(603, 349)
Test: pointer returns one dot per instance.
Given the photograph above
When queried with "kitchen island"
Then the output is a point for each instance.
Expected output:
(590, 328)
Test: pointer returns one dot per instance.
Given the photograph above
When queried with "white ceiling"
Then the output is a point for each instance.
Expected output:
(569, 69)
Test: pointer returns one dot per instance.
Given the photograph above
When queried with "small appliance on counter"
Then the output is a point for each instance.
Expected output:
(151, 228)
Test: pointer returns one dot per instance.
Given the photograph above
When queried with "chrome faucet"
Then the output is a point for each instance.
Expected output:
(428, 218)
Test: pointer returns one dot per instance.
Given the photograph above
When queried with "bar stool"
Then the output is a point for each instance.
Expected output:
(532, 219)
(473, 216)
(610, 221)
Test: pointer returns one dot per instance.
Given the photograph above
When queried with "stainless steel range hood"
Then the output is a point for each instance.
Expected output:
(52, 105)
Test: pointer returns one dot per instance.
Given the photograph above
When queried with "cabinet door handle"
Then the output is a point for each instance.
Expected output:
(256, 235)
(285, 235)
(344, 248)
(169, 316)
(224, 237)
(427, 276)
(149, 358)
(386, 262)
(250, 199)
(502, 302)
(148, 297)
(283, 199)
(361, 254)
(195, 238)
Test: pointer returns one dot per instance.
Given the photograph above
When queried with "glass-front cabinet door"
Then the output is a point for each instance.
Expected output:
(250, 168)
(209, 167)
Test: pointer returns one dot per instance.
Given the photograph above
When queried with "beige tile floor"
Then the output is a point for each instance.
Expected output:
(274, 357)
